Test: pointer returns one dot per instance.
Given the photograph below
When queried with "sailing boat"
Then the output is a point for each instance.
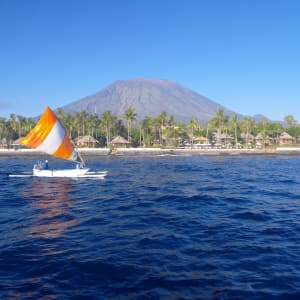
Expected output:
(50, 137)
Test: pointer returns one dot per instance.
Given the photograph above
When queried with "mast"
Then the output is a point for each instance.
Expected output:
(81, 159)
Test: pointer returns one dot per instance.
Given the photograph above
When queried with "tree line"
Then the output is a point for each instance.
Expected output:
(160, 130)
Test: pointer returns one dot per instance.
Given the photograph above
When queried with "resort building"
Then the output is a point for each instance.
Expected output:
(120, 142)
(86, 141)
(285, 138)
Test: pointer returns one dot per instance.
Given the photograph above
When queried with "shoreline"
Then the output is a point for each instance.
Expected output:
(164, 152)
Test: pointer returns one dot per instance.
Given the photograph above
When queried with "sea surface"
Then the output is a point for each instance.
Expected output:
(160, 227)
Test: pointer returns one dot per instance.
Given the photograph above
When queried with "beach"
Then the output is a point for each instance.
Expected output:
(165, 151)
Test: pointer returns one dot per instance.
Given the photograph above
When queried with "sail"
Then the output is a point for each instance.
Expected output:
(50, 137)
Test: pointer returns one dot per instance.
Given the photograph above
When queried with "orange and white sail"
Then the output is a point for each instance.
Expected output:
(49, 136)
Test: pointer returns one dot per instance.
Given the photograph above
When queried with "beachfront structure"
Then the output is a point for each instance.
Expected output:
(285, 138)
(86, 141)
(3, 143)
(17, 144)
(263, 140)
(222, 138)
(247, 137)
(120, 142)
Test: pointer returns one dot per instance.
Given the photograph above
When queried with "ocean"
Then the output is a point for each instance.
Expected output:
(160, 227)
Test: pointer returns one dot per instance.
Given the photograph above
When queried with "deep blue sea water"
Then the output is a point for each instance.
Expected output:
(177, 227)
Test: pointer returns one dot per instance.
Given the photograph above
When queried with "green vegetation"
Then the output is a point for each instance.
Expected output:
(163, 130)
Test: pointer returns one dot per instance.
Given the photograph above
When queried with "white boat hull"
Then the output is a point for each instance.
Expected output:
(71, 173)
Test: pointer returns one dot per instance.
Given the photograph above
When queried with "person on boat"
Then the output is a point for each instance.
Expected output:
(79, 166)
(38, 165)
(45, 165)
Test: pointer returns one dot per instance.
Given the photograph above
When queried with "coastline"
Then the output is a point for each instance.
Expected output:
(162, 152)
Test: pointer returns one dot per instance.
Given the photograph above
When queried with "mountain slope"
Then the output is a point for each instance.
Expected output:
(148, 97)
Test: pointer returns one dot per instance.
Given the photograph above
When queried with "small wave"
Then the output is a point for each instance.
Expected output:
(156, 228)
(254, 216)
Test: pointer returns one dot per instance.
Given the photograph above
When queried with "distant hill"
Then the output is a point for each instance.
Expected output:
(148, 97)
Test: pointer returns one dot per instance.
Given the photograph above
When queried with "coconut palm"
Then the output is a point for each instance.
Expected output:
(28, 124)
(69, 124)
(247, 125)
(83, 120)
(147, 126)
(160, 122)
(77, 123)
(264, 122)
(107, 121)
(219, 122)
(290, 121)
(129, 116)
(171, 124)
(193, 125)
(2, 127)
(19, 120)
(234, 125)
(92, 122)
(61, 117)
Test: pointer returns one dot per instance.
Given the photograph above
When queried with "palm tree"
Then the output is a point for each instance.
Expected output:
(92, 122)
(247, 125)
(61, 117)
(220, 119)
(20, 123)
(147, 127)
(77, 123)
(2, 127)
(264, 122)
(107, 121)
(130, 116)
(206, 135)
(219, 122)
(13, 126)
(69, 123)
(172, 123)
(193, 125)
(161, 121)
(83, 120)
(290, 121)
(28, 124)
(234, 125)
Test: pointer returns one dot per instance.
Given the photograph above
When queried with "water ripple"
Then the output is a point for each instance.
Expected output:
(155, 228)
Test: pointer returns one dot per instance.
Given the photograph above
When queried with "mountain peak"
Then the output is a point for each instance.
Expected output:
(148, 97)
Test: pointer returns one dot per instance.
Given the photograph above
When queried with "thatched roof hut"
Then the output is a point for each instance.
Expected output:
(247, 137)
(120, 142)
(285, 138)
(263, 139)
(222, 138)
(200, 139)
(86, 141)
(3, 143)
(17, 143)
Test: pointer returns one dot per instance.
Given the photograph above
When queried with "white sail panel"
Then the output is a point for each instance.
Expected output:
(53, 140)
(50, 137)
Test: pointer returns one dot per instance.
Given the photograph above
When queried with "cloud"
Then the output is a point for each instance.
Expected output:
(5, 105)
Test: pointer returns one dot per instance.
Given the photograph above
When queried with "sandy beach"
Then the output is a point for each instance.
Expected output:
(160, 151)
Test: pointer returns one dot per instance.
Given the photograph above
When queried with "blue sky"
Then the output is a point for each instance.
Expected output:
(243, 54)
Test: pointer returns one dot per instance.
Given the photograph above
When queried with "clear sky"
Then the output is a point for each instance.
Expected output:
(243, 54)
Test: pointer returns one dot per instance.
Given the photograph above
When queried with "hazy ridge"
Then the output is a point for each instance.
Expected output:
(148, 97)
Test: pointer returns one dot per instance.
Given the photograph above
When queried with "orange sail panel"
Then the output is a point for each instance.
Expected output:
(50, 137)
